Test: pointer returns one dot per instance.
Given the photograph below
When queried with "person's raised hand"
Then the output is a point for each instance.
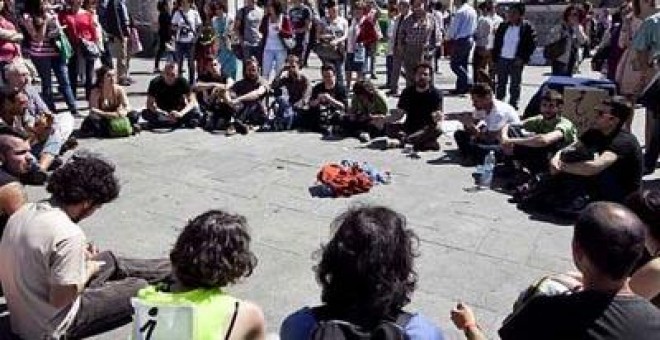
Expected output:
(462, 316)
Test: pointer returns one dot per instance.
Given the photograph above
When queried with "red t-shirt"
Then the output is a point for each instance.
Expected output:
(79, 26)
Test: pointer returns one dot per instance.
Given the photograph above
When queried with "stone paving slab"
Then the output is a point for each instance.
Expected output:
(474, 246)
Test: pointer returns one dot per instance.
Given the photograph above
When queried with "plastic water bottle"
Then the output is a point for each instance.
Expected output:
(360, 53)
(489, 166)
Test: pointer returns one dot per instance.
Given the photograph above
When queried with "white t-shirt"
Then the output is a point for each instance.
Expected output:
(41, 247)
(500, 115)
(510, 43)
(185, 31)
(273, 41)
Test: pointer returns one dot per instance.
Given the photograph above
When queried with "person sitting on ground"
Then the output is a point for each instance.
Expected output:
(543, 135)
(211, 89)
(608, 239)
(171, 102)
(366, 114)
(482, 129)
(107, 101)
(247, 98)
(367, 276)
(328, 101)
(421, 104)
(212, 252)
(297, 85)
(16, 164)
(55, 283)
(645, 281)
(58, 137)
(615, 171)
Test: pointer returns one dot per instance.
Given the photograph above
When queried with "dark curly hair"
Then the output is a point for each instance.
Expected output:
(213, 251)
(366, 270)
(85, 177)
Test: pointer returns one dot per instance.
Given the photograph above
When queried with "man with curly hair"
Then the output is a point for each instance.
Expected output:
(211, 253)
(55, 283)
(367, 276)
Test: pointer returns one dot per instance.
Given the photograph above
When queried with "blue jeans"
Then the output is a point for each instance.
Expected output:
(507, 68)
(186, 51)
(340, 70)
(389, 63)
(46, 65)
(459, 63)
(653, 146)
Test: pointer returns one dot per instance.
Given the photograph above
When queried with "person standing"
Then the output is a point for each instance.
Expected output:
(333, 30)
(186, 23)
(515, 41)
(647, 45)
(164, 32)
(117, 26)
(80, 28)
(418, 34)
(275, 27)
(10, 38)
(482, 63)
(301, 20)
(572, 32)
(397, 52)
(246, 25)
(222, 24)
(461, 30)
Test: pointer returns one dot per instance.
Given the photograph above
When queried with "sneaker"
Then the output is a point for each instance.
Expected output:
(230, 131)
(364, 137)
(241, 128)
(193, 123)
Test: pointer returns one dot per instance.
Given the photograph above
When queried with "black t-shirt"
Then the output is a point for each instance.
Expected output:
(628, 167)
(169, 97)
(338, 93)
(5, 179)
(419, 107)
(164, 25)
(584, 315)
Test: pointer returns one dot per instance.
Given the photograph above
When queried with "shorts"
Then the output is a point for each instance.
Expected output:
(352, 65)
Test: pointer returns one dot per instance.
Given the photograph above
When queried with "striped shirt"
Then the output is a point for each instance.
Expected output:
(42, 49)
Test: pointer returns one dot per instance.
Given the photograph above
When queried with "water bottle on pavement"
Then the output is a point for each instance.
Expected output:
(487, 174)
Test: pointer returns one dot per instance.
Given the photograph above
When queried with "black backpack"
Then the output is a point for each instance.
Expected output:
(329, 328)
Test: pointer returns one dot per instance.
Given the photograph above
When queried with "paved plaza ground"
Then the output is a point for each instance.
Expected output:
(475, 247)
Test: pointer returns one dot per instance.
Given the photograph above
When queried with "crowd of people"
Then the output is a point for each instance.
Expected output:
(58, 285)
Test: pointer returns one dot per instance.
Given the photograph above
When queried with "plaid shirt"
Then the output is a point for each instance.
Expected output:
(419, 30)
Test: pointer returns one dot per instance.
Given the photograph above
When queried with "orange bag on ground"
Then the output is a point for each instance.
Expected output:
(344, 181)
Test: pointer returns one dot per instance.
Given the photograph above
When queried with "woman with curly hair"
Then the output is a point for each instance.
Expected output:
(367, 277)
(212, 252)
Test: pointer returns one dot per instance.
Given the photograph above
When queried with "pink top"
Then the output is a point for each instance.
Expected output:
(8, 50)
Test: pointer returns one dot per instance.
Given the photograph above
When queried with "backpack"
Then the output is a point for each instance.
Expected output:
(344, 181)
(329, 328)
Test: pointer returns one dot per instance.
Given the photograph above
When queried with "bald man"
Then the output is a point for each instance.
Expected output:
(608, 240)
(16, 163)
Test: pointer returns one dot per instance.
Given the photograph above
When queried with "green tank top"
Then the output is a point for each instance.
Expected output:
(213, 309)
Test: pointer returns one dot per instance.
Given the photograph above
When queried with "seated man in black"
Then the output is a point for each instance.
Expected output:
(247, 99)
(298, 88)
(210, 90)
(171, 102)
(421, 103)
(608, 240)
(542, 137)
(605, 164)
(328, 101)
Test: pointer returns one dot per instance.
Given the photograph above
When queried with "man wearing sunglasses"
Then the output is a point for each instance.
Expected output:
(611, 165)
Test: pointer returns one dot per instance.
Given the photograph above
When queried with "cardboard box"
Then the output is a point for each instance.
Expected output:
(580, 103)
